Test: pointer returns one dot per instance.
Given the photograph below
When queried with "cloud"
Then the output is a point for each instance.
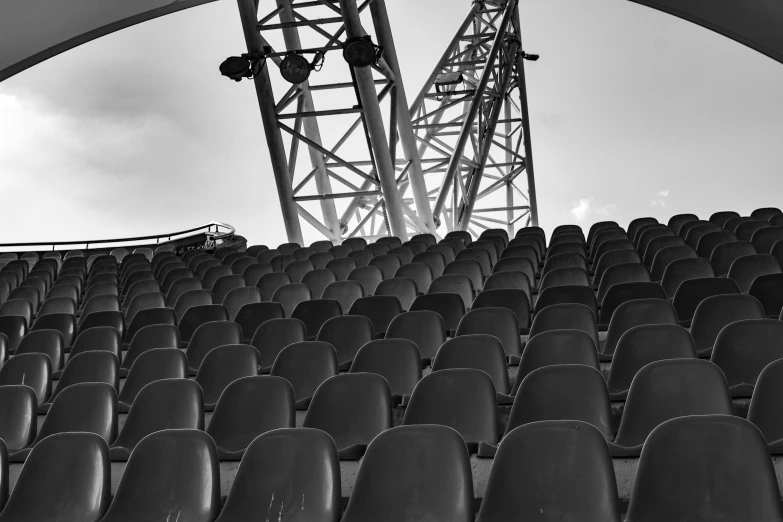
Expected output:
(585, 207)
(663, 193)
(660, 202)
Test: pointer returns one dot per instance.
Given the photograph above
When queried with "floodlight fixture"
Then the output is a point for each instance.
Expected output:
(296, 69)
(361, 52)
(247, 65)
(531, 57)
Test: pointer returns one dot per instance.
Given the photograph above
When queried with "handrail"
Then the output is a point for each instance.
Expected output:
(217, 234)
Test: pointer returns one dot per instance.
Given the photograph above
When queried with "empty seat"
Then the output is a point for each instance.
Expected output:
(279, 469)
(291, 295)
(682, 270)
(768, 289)
(765, 214)
(346, 334)
(765, 406)
(403, 288)
(190, 299)
(746, 230)
(92, 366)
(623, 292)
(553, 348)
(479, 255)
(499, 322)
(213, 274)
(610, 259)
(666, 389)
(66, 304)
(696, 232)
(421, 273)
(151, 365)
(725, 254)
(208, 336)
(719, 218)
(564, 261)
(621, 274)
(241, 264)
(658, 244)
(225, 284)
(270, 283)
(317, 280)
(693, 291)
(396, 360)
(205, 264)
(254, 272)
(745, 269)
(342, 266)
(392, 241)
(18, 406)
(345, 292)
(368, 276)
(198, 315)
(451, 307)
(306, 365)
(73, 471)
(166, 404)
(181, 287)
(27, 293)
(13, 327)
(651, 233)
(765, 238)
(171, 471)
(460, 398)
(715, 312)
(89, 407)
(289, 248)
(583, 295)
(478, 351)
(469, 268)
(515, 300)
(387, 263)
(237, 298)
(143, 302)
(424, 327)
(315, 312)
(18, 307)
(362, 256)
(49, 342)
(222, 366)
(564, 277)
(265, 256)
(666, 256)
(517, 264)
(447, 250)
(455, 283)
(353, 409)
(297, 269)
(681, 460)
(565, 316)
(275, 334)
(530, 467)
(744, 348)
(685, 228)
(434, 260)
(709, 241)
(380, 309)
(567, 248)
(635, 313)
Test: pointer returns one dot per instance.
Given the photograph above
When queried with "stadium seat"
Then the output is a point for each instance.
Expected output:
(208, 336)
(265, 256)
(166, 404)
(610, 259)
(26, 293)
(205, 265)
(345, 292)
(478, 351)
(213, 275)
(254, 272)
(18, 407)
(658, 244)
(143, 302)
(455, 283)
(355, 243)
(223, 365)
(353, 409)
(346, 334)
(447, 251)
(342, 266)
(724, 255)
(198, 315)
(303, 253)
(634, 313)
(744, 348)
(525, 247)
(49, 342)
(598, 226)
(566, 238)
(306, 365)
(139, 288)
(515, 300)
(461, 398)
(457, 244)
(404, 254)
(745, 269)
(776, 221)
(664, 390)
(396, 360)
(368, 276)
(564, 277)
(237, 298)
(297, 269)
(682, 270)
(556, 347)
(649, 233)
(240, 265)
(290, 296)
(149, 337)
(387, 263)
(509, 280)
(565, 316)
(464, 235)
(765, 214)
(424, 327)
(768, 289)
(764, 239)
(225, 284)
(609, 234)
(73, 470)
(715, 312)
(709, 241)
(434, 260)
(567, 229)
(480, 255)
(637, 223)
(279, 263)
(564, 261)
(320, 259)
(60, 302)
(288, 248)
(287, 465)
(621, 274)
(499, 322)
(18, 307)
(746, 230)
(680, 462)
(516, 264)
(89, 407)
(392, 241)
(182, 286)
(567, 248)
(273, 335)
(529, 467)
(190, 299)
(622, 293)
(171, 471)
(64, 323)
(315, 312)
(691, 292)
(451, 307)
(720, 218)
(317, 280)
(684, 229)
(92, 366)
(33, 370)
(696, 232)
(13, 327)
(568, 294)
(152, 365)
(765, 406)
(380, 309)
(270, 283)
(362, 257)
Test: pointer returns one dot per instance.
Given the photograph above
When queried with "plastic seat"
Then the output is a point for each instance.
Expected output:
(139, 288)
(567, 248)
(720, 218)
(73, 471)
(709, 241)
(18, 307)
(271, 283)
(776, 221)
(658, 244)
(18, 405)
(241, 265)
(237, 298)
(615, 245)
(455, 283)
(379, 309)
(686, 228)
(353, 409)
(317, 280)
(460, 398)
(347, 334)
(621, 274)
(447, 251)
(306, 365)
(222, 366)
(464, 235)
(424, 328)
(297, 269)
(208, 336)
(566, 238)
(13, 327)
(181, 287)
(369, 277)
(608, 234)
(404, 254)
(198, 315)
(345, 292)
(206, 264)
(725, 254)
(746, 230)
(291, 295)
(429, 239)
(26, 293)
(745, 269)
(515, 300)
(403, 288)
(525, 247)
(480, 255)
(288, 248)
(421, 274)
(667, 389)
(564, 277)
(683, 270)
(149, 317)
(634, 313)
(768, 289)
(190, 299)
(471, 269)
(478, 351)
(693, 291)
(213, 274)
(396, 360)
(715, 312)
(143, 302)
(225, 284)
(171, 471)
(147, 338)
(696, 232)
(610, 259)
(233, 256)
(64, 323)
(636, 224)
(233, 430)
(556, 347)
(744, 348)
(49, 342)
(287, 464)
(765, 411)
(152, 365)
(528, 468)
(765, 238)
(765, 214)
(392, 241)
(517, 264)
(680, 461)
(89, 407)
(650, 234)
(315, 313)
(565, 316)
(320, 259)
(777, 250)
(451, 307)
(435, 260)
(167, 404)
(499, 322)
(254, 272)
(273, 335)
(92, 366)
(342, 266)
(668, 255)
(362, 256)
(560, 261)
(265, 256)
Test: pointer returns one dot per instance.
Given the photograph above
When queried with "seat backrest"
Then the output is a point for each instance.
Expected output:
(499, 322)
(98, 366)
(768, 289)
(565, 316)
(658, 244)
(315, 312)
(380, 309)
(450, 306)
(744, 348)
(225, 284)
(668, 255)
(623, 292)
(238, 297)
(317, 280)
(13, 327)
(746, 230)
(724, 255)
(190, 299)
(556, 347)
(765, 238)
(564, 277)
(682, 270)
(517, 264)
(368, 276)
(424, 327)
(152, 365)
(612, 258)
(291, 295)
(696, 232)
(745, 269)
(709, 241)
(479, 255)
(681, 459)
(18, 409)
(275, 334)
(619, 274)
(347, 334)
(515, 300)
(454, 283)
(87, 407)
(528, 467)
(210, 335)
(478, 351)
(342, 266)
(198, 315)
(720, 218)
(715, 312)
(692, 291)
(467, 267)
(635, 313)
(396, 360)
(421, 273)
(149, 337)
(222, 366)
(49, 342)
(306, 365)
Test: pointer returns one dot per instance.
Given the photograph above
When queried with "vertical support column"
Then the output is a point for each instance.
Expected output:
(531, 180)
(372, 111)
(509, 188)
(311, 129)
(249, 15)
(404, 125)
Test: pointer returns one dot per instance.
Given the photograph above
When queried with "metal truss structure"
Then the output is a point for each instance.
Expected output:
(379, 166)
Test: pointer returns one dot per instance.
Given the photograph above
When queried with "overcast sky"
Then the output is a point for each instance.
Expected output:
(633, 112)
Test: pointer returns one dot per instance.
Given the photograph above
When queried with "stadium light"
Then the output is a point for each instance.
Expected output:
(531, 57)
(361, 52)
(244, 66)
(296, 69)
